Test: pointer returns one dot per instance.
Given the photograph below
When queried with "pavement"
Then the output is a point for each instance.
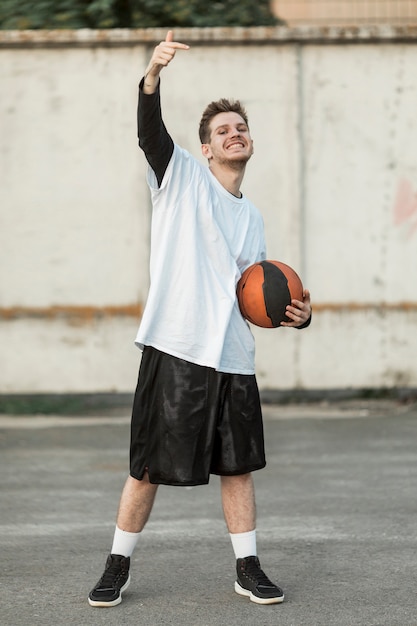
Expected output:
(337, 523)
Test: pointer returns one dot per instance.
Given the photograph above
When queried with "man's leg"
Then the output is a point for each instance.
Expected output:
(238, 499)
(135, 506)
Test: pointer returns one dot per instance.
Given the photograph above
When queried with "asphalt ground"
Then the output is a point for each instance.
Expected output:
(337, 524)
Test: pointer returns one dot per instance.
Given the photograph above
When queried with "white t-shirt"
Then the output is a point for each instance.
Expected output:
(202, 239)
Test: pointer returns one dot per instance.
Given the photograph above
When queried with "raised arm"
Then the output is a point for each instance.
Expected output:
(153, 136)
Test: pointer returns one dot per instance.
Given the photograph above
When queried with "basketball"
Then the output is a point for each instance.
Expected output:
(264, 291)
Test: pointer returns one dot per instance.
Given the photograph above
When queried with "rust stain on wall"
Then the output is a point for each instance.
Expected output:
(339, 307)
(86, 314)
(77, 314)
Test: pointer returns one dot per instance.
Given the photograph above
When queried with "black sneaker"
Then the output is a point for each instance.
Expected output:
(116, 578)
(253, 583)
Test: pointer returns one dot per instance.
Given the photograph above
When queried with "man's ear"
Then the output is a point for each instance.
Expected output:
(206, 150)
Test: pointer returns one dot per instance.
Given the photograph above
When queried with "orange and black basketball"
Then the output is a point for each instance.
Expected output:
(264, 291)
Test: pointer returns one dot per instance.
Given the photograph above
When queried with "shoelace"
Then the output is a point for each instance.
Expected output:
(111, 575)
(253, 571)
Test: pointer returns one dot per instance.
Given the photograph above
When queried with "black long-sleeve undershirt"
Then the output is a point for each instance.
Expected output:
(154, 138)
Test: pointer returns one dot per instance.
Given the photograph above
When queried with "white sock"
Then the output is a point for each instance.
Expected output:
(124, 542)
(244, 544)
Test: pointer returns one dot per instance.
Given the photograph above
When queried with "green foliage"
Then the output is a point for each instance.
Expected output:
(73, 14)
(49, 14)
(201, 13)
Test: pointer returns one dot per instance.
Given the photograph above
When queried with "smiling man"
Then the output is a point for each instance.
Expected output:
(196, 410)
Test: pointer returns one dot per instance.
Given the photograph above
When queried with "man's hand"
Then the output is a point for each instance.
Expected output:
(299, 312)
(161, 57)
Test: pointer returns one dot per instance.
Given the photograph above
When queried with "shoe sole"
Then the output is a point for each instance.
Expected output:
(248, 594)
(114, 602)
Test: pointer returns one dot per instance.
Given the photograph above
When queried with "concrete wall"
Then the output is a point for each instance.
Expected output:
(333, 116)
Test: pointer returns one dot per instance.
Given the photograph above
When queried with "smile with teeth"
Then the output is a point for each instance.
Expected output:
(236, 143)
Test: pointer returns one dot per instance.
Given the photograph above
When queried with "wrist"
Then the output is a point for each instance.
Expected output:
(150, 83)
(151, 78)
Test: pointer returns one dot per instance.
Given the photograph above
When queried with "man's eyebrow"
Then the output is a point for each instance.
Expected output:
(242, 123)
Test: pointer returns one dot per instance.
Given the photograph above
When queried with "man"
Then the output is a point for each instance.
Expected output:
(196, 410)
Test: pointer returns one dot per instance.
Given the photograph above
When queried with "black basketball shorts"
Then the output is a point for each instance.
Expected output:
(190, 421)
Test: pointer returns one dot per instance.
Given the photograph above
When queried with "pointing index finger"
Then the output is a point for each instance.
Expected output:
(175, 44)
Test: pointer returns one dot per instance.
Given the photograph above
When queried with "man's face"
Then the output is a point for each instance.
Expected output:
(230, 140)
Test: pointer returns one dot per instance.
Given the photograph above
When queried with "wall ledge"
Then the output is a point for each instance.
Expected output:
(210, 36)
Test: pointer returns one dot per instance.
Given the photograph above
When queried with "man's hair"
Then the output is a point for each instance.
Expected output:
(214, 108)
